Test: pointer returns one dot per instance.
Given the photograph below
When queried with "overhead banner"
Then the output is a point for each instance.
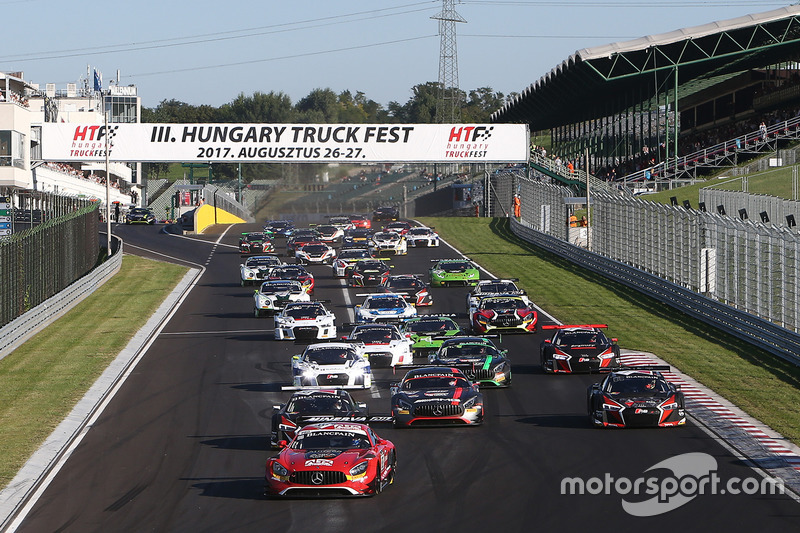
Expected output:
(283, 143)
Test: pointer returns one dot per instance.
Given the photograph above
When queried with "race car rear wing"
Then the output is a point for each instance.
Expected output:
(321, 387)
(364, 419)
(567, 326)
(655, 368)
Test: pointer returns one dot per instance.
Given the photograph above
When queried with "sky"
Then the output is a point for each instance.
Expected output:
(203, 52)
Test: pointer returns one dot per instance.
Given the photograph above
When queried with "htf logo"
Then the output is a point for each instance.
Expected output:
(94, 133)
(470, 133)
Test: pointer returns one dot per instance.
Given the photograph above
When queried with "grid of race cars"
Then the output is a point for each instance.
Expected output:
(327, 444)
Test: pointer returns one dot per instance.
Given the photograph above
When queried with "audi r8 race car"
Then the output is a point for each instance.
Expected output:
(385, 213)
(422, 236)
(332, 459)
(436, 396)
(255, 243)
(427, 332)
(304, 321)
(386, 307)
(411, 287)
(299, 238)
(140, 215)
(453, 272)
(477, 357)
(295, 272)
(504, 313)
(330, 233)
(400, 226)
(314, 404)
(360, 221)
(368, 273)
(383, 344)
(346, 259)
(494, 287)
(342, 222)
(356, 237)
(337, 364)
(274, 295)
(636, 398)
(315, 253)
(279, 228)
(578, 348)
(388, 242)
(256, 268)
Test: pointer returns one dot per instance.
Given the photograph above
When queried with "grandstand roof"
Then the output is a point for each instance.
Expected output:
(608, 79)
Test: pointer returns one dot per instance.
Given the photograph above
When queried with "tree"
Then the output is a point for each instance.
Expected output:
(320, 106)
(260, 108)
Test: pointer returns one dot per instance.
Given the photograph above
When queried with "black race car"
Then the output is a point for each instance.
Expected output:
(436, 396)
(579, 348)
(357, 237)
(255, 242)
(368, 273)
(385, 214)
(636, 398)
(309, 406)
(140, 215)
(477, 357)
(299, 238)
(279, 228)
(414, 290)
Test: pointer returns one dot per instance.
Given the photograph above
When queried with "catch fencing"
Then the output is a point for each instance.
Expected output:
(740, 275)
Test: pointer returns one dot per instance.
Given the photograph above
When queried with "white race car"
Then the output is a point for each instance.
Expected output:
(384, 344)
(388, 241)
(422, 236)
(387, 307)
(338, 364)
(347, 258)
(304, 321)
(493, 287)
(315, 253)
(258, 267)
(274, 295)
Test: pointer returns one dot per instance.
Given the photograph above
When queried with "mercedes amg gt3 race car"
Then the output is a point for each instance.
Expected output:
(386, 307)
(578, 348)
(256, 268)
(477, 357)
(305, 321)
(274, 295)
(331, 364)
(255, 243)
(636, 398)
(279, 228)
(427, 332)
(504, 313)
(368, 273)
(383, 344)
(388, 242)
(314, 404)
(453, 272)
(422, 237)
(436, 396)
(332, 459)
(140, 215)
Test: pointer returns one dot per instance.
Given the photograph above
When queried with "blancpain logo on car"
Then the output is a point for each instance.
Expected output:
(674, 482)
(319, 462)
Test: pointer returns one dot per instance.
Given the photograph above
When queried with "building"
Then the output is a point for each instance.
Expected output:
(24, 106)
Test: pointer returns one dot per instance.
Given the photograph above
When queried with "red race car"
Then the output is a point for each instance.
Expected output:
(332, 459)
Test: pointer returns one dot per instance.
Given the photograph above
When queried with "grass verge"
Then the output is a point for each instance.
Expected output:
(761, 384)
(42, 380)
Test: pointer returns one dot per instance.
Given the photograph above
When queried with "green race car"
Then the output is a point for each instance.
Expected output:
(429, 331)
(453, 272)
(477, 357)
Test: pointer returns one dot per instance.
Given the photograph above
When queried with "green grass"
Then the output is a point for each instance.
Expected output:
(42, 380)
(761, 384)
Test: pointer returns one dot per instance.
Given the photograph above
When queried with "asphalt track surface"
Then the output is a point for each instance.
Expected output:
(182, 445)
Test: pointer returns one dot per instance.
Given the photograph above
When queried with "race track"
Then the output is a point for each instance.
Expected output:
(182, 446)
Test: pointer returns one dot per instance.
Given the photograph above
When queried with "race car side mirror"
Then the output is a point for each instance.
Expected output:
(595, 386)
(282, 444)
(394, 388)
(383, 442)
(614, 339)
(276, 407)
(548, 341)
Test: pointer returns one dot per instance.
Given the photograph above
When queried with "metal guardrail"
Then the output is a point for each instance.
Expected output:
(762, 333)
(22, 328)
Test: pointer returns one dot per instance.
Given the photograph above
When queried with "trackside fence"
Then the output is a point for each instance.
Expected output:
(739, 275)
(44, 259)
